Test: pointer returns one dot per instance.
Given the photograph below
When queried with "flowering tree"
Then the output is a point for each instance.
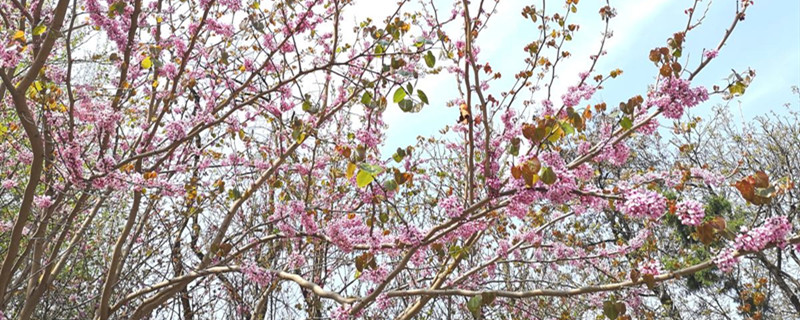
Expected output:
(222, 159)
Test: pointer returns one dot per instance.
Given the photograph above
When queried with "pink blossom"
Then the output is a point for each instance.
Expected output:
(708, 177)
(690, 212)
(343, 313)
(256, 274)
(296, 260)
(8, 184)
(773, 231)
(575, 94)
(368, 138)
(641, 203)
(616, 155)
(726, 260)
(674, 95)
(711, 54)
(377, 275)
(637, 241)
(346, 232)
(647, 128)
(651, 267)
(43, 201)
(451, 206)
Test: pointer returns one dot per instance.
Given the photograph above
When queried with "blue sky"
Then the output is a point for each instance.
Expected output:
(768, 41)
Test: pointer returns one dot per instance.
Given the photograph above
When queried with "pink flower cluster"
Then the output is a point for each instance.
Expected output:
(8, 184)
(256, 274)
(651, 267)
(708, 177)
(773, 231)
(690, 212)
(647, 128)
(710, 54)
(343, 313)
(43, 201)
(726, 260)
(637, 241)
(10, 54)
(575, 94)
(345, 233)
(451, 206)
(616, 155)
(641, 203)
(674, 95)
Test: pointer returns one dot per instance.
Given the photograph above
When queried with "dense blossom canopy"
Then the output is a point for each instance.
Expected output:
(203, 159)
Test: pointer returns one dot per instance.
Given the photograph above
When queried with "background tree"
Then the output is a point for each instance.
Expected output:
(222, 159)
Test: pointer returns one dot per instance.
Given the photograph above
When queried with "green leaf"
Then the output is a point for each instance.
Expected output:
(371, 169)
(366, 99)
(234, 194)
(430, 60)
(363, 178)
(390, 185)
(610, 310)
(407, 105)
(422, 96)
(737, 88)
(568, 128)
(765, 192)
(455, 251)
(474, 305)
(116, 8)
(308, 107)
(548, 176)
(514, 148)
(626, 123)
(399, 95)
(39, 30)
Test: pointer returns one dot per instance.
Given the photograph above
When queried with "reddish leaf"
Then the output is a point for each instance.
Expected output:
(761, 180)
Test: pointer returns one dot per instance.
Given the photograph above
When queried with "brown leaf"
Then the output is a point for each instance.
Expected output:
(705, 233)
(528, 131)
(650, 280)
(718, 223)
(635, 274)
(516, 172)
(665, 70)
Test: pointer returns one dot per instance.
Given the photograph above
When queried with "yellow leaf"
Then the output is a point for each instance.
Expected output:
(351, 169)
(19, 35)
(147, 63)
(40, 29)
(155, 83)
(37, 86)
